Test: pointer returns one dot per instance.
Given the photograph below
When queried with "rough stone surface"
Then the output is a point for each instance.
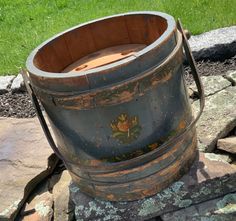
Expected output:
(218, 118)
(18, 84)
(5, 82)
(231, 76)
(227, 144)
(212, 85)
(25, 159)
(220, 209)
(206, 180)
(215, 44)
(42, 207)
(234, 164)
(62, 205)
(226, 158)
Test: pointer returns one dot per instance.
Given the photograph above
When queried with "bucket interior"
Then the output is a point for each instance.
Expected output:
(99, 43)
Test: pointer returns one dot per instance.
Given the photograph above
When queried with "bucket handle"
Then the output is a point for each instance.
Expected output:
(163, 148)
(40, 116)
(195, 73)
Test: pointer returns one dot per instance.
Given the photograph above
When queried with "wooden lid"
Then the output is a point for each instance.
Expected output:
(103, 57)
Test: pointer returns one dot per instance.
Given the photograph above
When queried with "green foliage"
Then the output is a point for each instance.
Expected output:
(24, 24)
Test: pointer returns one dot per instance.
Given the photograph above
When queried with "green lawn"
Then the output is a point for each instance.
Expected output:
(26, 23)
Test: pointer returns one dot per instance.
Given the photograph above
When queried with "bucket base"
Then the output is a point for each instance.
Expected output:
(152, 183)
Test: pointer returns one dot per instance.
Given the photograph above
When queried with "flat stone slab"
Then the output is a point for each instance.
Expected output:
(5, 82)
(223, 157)
(206, 180)
(227, 144)
(62, 204)
(42, 206)
(231, 76)
(212, 85)
(25, 159)
(214, 44)
(220, 209)
(218, 118)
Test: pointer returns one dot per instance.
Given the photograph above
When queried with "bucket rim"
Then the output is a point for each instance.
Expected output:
(31, 67)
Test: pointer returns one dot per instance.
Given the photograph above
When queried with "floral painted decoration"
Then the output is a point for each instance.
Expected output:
(126, 129)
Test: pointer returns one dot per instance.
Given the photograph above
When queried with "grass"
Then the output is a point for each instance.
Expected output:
(26, 23)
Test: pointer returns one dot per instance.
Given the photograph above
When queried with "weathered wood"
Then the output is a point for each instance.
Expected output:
(113, 116)
(149, 183)
(205, 180)
(103, 57)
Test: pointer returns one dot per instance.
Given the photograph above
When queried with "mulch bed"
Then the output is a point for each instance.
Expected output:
(16, 105)
(210, 68)
(19, 104)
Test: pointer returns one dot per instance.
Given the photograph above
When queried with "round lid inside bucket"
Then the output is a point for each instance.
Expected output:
(103, 52)
(104, 57)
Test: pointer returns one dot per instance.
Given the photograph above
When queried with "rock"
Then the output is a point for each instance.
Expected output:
(218, 118)
(212, 85)
(231, 76)
(215, 44)
(41, 206)
(206, 180)
(53, 180)
(234, 164)
(190, 92)
(5, 82)
(62, 205)
(31, 209)
(18, 84)
(158, 218)
(220, 209)
(25, 159)
(219, 157)
(227, 144)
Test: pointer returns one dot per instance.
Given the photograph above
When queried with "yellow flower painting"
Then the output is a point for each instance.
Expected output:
(126, 129)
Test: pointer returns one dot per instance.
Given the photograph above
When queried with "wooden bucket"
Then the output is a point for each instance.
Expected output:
(116, 100)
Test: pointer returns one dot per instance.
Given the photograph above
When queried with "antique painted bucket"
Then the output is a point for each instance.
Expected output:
(114, 94)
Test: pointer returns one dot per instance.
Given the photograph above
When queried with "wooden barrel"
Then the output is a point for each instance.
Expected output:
(116, 100)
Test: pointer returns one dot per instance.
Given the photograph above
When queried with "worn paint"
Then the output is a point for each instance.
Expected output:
(126, 128)
(141, 187)
(124, 133)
